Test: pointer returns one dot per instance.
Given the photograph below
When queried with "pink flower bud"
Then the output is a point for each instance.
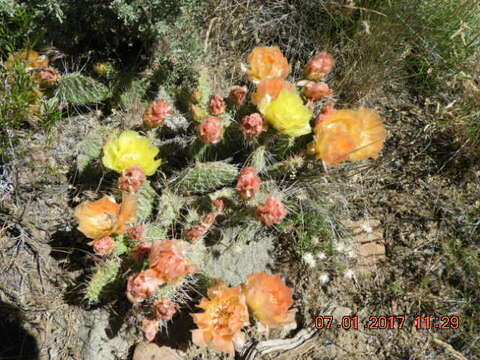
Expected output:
(316, 91)
(132, 179)
(141, 251)
(219, 204)
(271, 212)
(157, 113)
(164, 309)
(253, 125)
(136, 233)
(217, 105)
(326, 111)
(238, 95)
(209, 219)
(104, 245)
(150, 328)
(210, 130)
(248, 184)
(319, 67)
(142, 286)
(197, 232)
(49, 77)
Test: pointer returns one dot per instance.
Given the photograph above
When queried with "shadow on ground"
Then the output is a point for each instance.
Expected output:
(16, 342)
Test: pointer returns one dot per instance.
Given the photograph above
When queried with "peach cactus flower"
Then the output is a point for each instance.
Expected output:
(104, 245)
(164, 309)
(269, 299)
(349, 135)
(217, 105)
(210, 130)
(225, 314)
(30, 58)
(316, 91)
(253, 125)
(105, 217)
(157, 113)
(319, 67)
(267, 62)
(268, 90)
(142, 286)
(248, 184)
(150, 328)
(326, 111)
(168, 259)
(238, 95)
(132, 179)
(271, 211)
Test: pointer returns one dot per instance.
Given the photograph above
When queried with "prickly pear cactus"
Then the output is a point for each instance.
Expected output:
(217, 183)
(90, 149)
(206, 177)
(235, 263)
(105, 274)
(76, 88)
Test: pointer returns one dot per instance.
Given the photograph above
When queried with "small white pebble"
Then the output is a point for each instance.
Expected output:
(351, 254)
(324, 278)
(349, 274)
(309, 259)
(367, 228)
(321, 256)
(340, 247)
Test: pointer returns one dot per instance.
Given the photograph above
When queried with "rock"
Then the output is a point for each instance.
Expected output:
(369, 244)
(151, 351)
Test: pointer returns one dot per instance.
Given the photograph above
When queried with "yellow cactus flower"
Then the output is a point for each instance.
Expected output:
(288, 114)
(131, 149)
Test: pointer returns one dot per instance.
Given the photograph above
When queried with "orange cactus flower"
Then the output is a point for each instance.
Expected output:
(225, 315)
(349, 135)
(31, 58)
(267, 63)
(269, 299)
(268, 90)
(168, 259)
(105, 217)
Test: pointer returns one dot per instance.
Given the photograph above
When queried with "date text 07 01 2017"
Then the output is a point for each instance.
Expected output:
(390, 322)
